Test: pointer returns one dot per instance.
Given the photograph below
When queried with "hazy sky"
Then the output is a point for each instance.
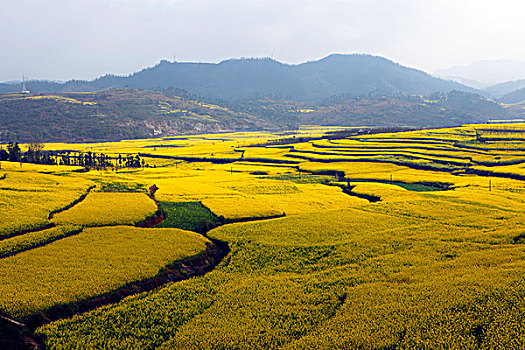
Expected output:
(64, 39)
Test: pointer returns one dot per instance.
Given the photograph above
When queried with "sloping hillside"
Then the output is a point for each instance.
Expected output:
(113, 115)
(502, 89)
(118, 114)
(517, 96)
(454, 108)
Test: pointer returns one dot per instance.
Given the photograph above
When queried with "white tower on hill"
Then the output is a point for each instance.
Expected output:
(24, 90)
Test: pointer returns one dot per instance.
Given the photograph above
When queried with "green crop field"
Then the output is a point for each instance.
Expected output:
(191, 216)
(408, 240)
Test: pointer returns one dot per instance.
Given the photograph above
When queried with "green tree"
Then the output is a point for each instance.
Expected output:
(15, 154)
(4, 155)
(34, 154)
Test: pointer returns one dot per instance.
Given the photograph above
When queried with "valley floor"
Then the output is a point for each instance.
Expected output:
(386, 241)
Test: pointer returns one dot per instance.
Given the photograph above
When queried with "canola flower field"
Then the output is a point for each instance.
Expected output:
(435, 261)
(107, 209)
(88, 264)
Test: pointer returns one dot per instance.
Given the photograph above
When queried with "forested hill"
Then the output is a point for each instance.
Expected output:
(436, 110)
(243, 79)
(117, 114)
(112, 115)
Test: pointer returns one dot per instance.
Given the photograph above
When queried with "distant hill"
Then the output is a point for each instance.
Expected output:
(502, 89)
(489, 72)
(33, 85)
(117, 114)
(468, 82)
(112, 115)
(437, 110)
(517, 96)
(245, 79)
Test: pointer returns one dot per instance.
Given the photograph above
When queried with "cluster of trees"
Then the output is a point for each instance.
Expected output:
(13, 153)
(36, 154)
(131, 162)
(101, 161)
(88, 159)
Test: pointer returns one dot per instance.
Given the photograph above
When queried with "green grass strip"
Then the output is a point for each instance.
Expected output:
(191, 216)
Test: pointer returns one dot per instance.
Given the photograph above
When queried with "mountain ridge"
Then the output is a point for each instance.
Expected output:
(502, 89)
(514, 97)
(248, 78)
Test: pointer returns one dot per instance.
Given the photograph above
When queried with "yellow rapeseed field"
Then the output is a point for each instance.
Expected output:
(104, 209)
(407, 240)
(92, 263)
(305, 198)
(32, 240)
(28, 196)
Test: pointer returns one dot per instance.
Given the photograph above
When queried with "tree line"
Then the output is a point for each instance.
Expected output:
(36, 155)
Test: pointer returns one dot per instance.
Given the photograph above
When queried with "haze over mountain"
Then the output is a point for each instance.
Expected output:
(242, 79)
(502, 89)
(482, 74)
(468, 82)
(515, 97)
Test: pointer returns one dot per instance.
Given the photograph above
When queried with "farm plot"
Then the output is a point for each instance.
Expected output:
(27, 197)
(192, 216)
(31, 240)
(106, 209)
(309, 280)
(299, 198)
(95, 262)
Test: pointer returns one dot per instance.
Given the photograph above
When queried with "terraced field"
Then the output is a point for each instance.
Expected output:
(28, 195)
(106, 209)
(66, 247)
(92, 263)
(372, 241)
